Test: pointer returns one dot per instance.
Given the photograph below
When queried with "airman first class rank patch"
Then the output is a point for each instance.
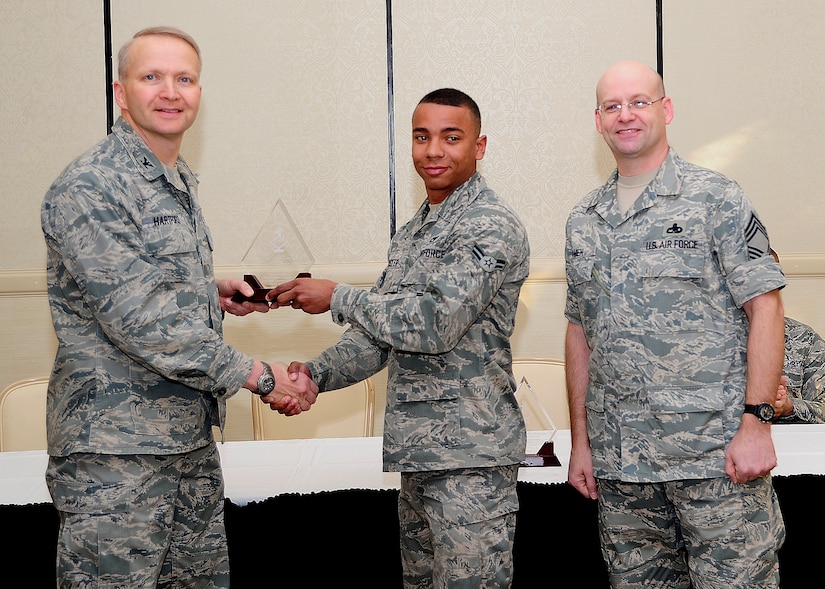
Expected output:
(757, 238)
(487, 263)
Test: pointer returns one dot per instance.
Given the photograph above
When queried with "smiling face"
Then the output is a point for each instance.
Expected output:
(160, 95)
(637, 137)
(445, 147)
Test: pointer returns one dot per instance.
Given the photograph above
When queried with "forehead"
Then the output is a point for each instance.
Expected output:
(627, 83)
(441, 117)
(163, 50)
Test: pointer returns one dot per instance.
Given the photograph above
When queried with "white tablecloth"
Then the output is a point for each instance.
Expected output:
(256, 470)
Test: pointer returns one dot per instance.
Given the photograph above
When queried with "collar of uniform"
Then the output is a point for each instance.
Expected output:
(666, 184)
(462, 196)
(147, 162)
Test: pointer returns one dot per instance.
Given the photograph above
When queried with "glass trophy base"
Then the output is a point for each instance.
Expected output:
(546, 456)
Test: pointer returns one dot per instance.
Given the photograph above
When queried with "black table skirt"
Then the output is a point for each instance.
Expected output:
(351, 537)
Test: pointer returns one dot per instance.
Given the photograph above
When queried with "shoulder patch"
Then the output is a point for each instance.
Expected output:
(487, 263)
(757, 238)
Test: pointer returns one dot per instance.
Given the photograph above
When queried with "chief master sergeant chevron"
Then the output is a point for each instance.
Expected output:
(674, 347)
(440, 317)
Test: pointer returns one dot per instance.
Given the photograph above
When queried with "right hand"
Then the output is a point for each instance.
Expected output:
(783, 404)
(580, 472)
(294, 391)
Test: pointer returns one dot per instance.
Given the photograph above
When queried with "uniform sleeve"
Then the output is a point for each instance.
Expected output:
(743, 247)
(354, 357)
(442, 295)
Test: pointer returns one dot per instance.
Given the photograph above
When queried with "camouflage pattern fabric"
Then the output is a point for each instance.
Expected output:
(142, 521)
(440, 317)
(141, 366)
(658, 291)
(805, 368)
(457, 527)
(141, 372)
(725, 533)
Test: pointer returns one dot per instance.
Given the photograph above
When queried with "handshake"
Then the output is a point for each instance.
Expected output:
(294, 391)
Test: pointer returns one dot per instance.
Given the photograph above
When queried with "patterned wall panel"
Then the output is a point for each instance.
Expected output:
(294, 108)
(532, 66)
(52, 106)
(747, 78)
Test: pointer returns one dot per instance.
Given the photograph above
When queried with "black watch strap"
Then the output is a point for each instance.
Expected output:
(763, 411)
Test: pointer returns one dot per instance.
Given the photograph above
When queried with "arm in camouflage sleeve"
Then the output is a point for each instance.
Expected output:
(434, 305)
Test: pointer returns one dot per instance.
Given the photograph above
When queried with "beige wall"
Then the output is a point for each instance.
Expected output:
(295, 109)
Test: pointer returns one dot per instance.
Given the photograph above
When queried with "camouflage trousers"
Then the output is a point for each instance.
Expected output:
(140, 521)
(457, 528)
(699, 534)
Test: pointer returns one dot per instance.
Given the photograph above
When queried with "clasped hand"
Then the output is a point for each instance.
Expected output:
(294, 390)
(783, 405)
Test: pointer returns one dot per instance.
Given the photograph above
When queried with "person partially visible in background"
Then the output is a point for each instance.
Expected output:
(801, 394)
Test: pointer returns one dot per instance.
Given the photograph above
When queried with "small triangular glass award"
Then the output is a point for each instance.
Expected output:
(536, 417)
(278, 253)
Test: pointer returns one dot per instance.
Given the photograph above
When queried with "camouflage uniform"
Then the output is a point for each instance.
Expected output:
(659, 293)
(440, 317)
(805, 369)
(141, 366)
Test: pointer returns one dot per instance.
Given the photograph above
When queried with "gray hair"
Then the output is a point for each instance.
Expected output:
(124, 56)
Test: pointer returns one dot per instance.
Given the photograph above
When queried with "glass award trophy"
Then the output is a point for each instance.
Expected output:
(536, 417)
(277, 254)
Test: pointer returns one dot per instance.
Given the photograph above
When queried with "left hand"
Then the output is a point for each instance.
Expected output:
(751, 454)
(228, 288)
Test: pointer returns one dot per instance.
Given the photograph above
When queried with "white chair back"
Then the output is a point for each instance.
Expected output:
(23, 415)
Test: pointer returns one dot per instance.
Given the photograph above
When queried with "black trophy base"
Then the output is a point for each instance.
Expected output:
(546, 456)
(259, 296)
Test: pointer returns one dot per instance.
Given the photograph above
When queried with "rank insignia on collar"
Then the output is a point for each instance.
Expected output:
(487, 263)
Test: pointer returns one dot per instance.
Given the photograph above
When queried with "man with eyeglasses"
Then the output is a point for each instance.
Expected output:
(674, 347)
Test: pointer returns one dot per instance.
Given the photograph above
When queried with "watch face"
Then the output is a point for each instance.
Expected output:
(266, 384)
(764, 411)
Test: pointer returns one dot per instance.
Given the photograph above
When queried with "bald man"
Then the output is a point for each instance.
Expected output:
(674, 347)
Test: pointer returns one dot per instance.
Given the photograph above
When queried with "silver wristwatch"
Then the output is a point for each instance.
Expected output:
(266, 382)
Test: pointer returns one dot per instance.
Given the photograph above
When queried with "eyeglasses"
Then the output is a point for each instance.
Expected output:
(616, 107)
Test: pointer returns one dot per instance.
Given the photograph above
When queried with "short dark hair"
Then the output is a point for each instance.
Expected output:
(453, 97)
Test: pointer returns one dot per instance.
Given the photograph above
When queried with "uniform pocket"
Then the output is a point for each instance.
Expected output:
(673, 290)
(174, 250)
(429, 413)
(687, 421)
